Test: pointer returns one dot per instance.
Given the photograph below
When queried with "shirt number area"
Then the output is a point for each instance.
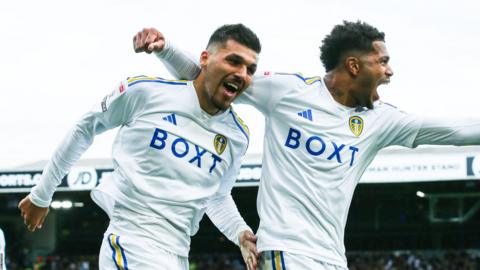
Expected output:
(183, 149)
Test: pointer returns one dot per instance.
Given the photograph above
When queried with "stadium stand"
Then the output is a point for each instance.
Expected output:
(413, 210)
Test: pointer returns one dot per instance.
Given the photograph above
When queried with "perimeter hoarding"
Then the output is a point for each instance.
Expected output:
(405, 166)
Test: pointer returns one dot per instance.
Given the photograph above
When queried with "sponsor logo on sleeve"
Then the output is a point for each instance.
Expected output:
(121, 89)
(104, 104)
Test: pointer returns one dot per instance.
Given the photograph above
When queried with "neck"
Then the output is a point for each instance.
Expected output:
(346, 91)
(202, 95)
(340, 88)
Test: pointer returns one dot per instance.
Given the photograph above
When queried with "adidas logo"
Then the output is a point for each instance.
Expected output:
(171, 118)
(306, 114)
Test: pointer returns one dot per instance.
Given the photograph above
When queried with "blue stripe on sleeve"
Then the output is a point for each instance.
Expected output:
(240, 126)
(157, 81)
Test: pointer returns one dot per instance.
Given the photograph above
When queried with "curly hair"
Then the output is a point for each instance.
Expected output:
(348, 37)
(237, 32)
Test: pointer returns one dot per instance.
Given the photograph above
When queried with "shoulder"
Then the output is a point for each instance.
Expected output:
(151, 80)
(293, 78)
(389, 112)
(298, 78)
(147, 83)
(380, 105)
(239, 125)
(141, 87)
(279, 80)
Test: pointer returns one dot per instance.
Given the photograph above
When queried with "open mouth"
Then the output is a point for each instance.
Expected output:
(231, 88)
(386, 81)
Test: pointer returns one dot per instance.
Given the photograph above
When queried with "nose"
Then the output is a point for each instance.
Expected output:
(241, 75)
(242, 72)
(389, 71)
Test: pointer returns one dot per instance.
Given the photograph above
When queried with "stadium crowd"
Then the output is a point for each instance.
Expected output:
(398, 260)
(451, 260)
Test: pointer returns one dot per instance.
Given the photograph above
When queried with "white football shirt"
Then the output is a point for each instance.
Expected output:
(171, 159)
(315, 152)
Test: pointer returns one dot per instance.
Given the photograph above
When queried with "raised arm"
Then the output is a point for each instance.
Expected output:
(263, 94)
(115, 109)
(179, 63)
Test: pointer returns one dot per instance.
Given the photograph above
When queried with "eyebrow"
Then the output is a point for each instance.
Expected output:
(236, 57)
(240, 58)
(385, 57)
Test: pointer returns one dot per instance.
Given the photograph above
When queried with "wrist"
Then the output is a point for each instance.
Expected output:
(37, 201)
(241, 233)
(164, 51)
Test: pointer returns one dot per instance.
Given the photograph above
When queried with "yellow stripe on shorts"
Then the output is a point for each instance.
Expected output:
(118, 254)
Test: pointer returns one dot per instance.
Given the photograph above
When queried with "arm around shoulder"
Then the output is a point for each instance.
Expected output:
(180, 64)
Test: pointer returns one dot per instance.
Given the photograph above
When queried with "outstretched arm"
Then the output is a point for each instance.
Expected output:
(411, 130)
(115, 109)
(178, 62)
(34, 207)
(458, 132)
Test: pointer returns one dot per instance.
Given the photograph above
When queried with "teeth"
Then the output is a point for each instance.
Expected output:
(234, 86)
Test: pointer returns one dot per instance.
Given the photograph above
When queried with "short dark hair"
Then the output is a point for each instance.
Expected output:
(237, 32)
(348, 37)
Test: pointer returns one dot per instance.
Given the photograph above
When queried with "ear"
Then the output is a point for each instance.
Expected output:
(352, 65)
(204, 58)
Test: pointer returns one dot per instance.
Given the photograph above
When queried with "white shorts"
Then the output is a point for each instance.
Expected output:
(281, 260)
(119, 252)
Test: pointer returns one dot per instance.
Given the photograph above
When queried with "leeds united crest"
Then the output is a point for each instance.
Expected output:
(356, 125)
(220, 143)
